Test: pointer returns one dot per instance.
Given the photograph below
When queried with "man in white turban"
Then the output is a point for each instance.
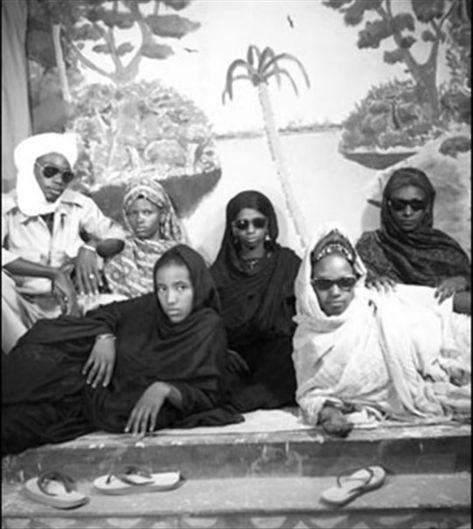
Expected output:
(42, 223)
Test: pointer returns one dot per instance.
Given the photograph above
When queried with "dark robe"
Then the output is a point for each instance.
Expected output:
(426, 256)
(45, 395)
(258, 307)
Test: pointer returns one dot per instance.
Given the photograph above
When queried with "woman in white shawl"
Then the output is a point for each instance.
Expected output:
(400, 354)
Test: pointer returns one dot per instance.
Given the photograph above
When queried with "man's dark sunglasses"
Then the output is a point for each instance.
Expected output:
(50, 170)
(398, 204)
(257, 223)
(343, 283)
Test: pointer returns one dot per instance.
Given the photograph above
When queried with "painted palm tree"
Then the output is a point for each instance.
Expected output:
(259, 67)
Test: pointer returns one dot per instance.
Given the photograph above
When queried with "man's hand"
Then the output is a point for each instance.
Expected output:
(143, 416)
(101, 361)
(449, 286)
(87, 272)
(64, 291)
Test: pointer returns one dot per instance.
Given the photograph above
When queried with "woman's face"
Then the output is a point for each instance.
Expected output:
(143, 217)
(250, 228)
(333, 298)
(408, 206)
(175, 291)
(54, 186)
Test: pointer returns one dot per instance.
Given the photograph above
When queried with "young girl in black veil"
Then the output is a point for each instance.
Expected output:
(255, 276)
(135, 366)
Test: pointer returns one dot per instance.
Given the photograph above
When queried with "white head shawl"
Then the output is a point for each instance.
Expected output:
(315, 333)
(31, 199)
(307, 306)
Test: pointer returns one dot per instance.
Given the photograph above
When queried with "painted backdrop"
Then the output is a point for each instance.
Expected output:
(313, 102)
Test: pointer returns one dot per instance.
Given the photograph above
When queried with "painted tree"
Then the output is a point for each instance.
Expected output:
(66, 26)
(260, 67)
(125, 125)
(400, 26)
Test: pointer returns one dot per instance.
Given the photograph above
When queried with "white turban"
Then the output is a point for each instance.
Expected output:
(31, 199)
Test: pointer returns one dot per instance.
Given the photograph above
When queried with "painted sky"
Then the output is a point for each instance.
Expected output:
(339, 72)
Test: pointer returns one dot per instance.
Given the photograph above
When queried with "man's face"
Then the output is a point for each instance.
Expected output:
(55, 185)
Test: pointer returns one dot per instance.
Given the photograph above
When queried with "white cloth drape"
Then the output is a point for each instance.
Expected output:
(392, 352)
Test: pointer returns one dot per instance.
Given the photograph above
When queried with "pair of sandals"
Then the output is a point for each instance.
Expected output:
(60, 490)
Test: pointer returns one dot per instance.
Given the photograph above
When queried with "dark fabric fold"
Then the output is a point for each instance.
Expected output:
(44, 369)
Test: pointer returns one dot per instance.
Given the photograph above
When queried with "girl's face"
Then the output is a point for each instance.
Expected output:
(175, 291)
(250, 228)
(143, 217)
(408, 206)
(333, 281)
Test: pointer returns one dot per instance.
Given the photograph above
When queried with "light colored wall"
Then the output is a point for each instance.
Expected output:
(15, 111)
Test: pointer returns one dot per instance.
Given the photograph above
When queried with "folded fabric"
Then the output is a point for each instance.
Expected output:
(132, 480)
(55, 489)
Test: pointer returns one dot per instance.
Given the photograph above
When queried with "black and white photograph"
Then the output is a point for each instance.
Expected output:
(236, 264)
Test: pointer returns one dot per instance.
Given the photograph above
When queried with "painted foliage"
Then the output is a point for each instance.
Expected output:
(125, 123)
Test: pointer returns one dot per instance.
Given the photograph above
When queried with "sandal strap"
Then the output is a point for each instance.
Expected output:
(125, 472)
(54, 475)
(349, 471)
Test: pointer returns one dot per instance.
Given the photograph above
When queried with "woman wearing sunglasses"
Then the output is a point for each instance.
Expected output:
(42, 222)
(407, 249)
(398, 355)
(255, 276)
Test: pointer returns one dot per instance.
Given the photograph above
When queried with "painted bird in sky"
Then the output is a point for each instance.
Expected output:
(291, 22)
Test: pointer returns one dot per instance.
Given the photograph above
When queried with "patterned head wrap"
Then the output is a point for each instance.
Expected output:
(130, 273)
(149, 188)
(333, 243)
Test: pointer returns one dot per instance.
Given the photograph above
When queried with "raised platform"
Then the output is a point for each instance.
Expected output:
(257, 479)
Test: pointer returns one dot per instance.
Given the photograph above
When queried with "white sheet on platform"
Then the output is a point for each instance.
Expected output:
(258, 421)
(262, 421)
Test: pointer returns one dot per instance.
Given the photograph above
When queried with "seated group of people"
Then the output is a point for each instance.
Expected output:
(383, 325)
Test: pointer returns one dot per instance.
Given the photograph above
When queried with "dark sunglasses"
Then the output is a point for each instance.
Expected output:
(258, 223)
(50, 170)
(398, 204)
(343, 283)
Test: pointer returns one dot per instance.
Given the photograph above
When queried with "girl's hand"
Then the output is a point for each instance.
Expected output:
(381, 284)
(143, 416)
(449, 286)
(334, 422)
(99, 366)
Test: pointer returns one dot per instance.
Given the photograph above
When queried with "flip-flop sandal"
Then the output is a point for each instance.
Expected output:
(353, 483)
(132, 480)
(55, 489)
